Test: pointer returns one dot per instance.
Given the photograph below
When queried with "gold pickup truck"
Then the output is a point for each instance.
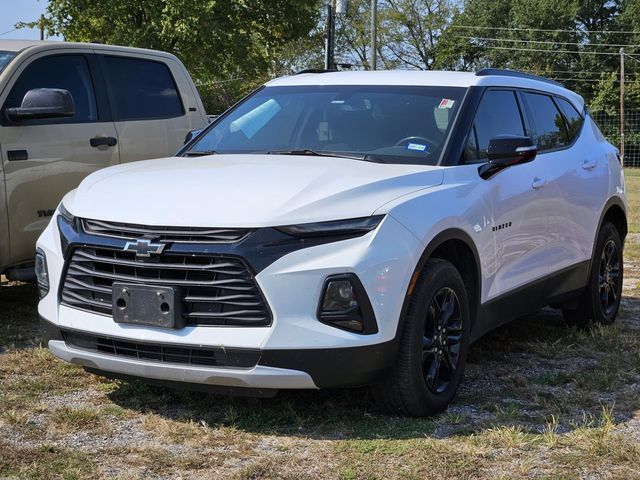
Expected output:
(68, 109)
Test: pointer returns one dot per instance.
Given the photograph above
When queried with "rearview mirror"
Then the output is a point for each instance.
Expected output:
(42, 103)
(506, 151)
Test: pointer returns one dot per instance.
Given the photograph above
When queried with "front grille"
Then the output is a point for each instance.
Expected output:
(216, 290)
(164, 234)
(212, 357)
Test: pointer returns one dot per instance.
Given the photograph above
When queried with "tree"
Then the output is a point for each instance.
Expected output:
(229, 46)
(408, 32)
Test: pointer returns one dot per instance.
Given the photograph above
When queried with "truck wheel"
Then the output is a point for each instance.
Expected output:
(433, 345)
(600, 300)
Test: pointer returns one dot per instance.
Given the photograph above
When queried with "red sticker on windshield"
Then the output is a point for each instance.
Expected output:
(446, 103)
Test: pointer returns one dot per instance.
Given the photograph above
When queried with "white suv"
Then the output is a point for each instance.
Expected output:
(340, 229)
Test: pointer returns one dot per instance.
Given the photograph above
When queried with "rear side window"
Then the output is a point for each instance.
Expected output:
(572, 117)
(68, 72)
(498, 114)
(549, 130)
(142, 89)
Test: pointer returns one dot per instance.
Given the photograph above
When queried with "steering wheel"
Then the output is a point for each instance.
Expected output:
(415, 138)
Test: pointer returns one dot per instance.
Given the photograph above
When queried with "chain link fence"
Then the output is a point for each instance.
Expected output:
(609, 123)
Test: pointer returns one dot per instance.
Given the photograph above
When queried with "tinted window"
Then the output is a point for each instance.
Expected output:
(68, 72)
(393, 124)
(572, 117)
(498, 114)
(142, 89)
(549, 130)
(5, 58)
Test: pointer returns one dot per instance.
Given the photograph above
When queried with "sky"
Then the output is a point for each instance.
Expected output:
(14, 11)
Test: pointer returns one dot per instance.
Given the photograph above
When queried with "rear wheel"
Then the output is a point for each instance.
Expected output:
(433, 346)
(600, 301)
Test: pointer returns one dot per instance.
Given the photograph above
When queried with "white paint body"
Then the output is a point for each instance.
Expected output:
(552, 227)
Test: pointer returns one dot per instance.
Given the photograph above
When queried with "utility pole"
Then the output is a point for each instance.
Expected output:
(622, 105)
(329, 46)
(42, 23)
(374, 34)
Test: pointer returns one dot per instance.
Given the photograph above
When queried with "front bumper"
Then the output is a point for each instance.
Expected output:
(295, 351)
(275, 369)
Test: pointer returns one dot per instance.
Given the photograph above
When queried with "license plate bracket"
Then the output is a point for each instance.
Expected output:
(156, 306)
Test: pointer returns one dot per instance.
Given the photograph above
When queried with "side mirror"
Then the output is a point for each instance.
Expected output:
(191, 134)
(42, 103)
(506, 151)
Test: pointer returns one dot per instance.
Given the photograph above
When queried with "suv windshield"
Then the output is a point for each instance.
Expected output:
(390, 124)
(5, 58)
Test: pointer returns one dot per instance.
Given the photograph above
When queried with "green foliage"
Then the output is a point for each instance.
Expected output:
(232, 46)
(218, 41)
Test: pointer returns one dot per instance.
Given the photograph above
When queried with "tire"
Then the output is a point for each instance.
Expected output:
(600, 300)
(412, 389)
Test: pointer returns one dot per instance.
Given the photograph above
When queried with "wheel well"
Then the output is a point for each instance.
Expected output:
(616, 215)
(462, 257)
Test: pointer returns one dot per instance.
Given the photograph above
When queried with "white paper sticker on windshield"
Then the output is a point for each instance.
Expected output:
(251, 122)
(417, 146)
(446, 103)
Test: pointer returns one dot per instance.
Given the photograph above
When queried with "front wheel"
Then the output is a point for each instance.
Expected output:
(600, 300)
(433, 345)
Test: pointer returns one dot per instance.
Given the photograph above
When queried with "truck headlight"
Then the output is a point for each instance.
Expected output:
(42, 273)
(344, 304)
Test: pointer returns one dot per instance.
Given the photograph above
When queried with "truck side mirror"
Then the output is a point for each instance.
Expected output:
(43, 103)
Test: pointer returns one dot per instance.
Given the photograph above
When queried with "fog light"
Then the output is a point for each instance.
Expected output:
(42, 273)
(344, 304)
(339, 297)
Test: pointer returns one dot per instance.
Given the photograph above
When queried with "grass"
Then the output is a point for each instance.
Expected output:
(632, 180)
(540, 400)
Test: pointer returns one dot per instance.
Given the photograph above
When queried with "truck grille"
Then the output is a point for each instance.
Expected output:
(182, 355)
(164, 234)
(216, 290)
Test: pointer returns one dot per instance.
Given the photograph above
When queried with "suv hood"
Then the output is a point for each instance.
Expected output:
(244, 190)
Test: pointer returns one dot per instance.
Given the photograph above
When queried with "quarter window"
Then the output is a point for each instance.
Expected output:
(142, 89)
(573, 118)
(498, 114)
(549, 130)
(68, 72)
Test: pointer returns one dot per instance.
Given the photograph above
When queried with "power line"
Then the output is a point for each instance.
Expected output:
(551, 51)
(548, 42)
(632, 32)
(7, 32)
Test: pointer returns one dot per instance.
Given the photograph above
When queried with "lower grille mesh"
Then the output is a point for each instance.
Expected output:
(218, 357)
(215, 290)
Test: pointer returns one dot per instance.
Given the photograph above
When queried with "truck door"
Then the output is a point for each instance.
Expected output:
(44, 159)
(148, 110)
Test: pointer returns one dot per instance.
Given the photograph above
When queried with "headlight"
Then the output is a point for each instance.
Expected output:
(344, 304)
(42, 273)
(66, 215)
(353, 226)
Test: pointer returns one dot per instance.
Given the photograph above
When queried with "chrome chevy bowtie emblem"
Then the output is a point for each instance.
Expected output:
(143, 247)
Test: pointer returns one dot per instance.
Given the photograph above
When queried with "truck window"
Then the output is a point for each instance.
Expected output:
(69, 72)
(5, 58)
(142, 89)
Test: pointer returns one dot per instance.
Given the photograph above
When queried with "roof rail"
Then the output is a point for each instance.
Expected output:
(512, 73)
(315, 70)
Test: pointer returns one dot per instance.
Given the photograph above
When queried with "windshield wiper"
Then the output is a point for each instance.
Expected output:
(314, 153)
(200, 153)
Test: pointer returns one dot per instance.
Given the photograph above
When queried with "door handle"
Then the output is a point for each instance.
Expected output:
(103, 142)
(589, 164)
(538, 183)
